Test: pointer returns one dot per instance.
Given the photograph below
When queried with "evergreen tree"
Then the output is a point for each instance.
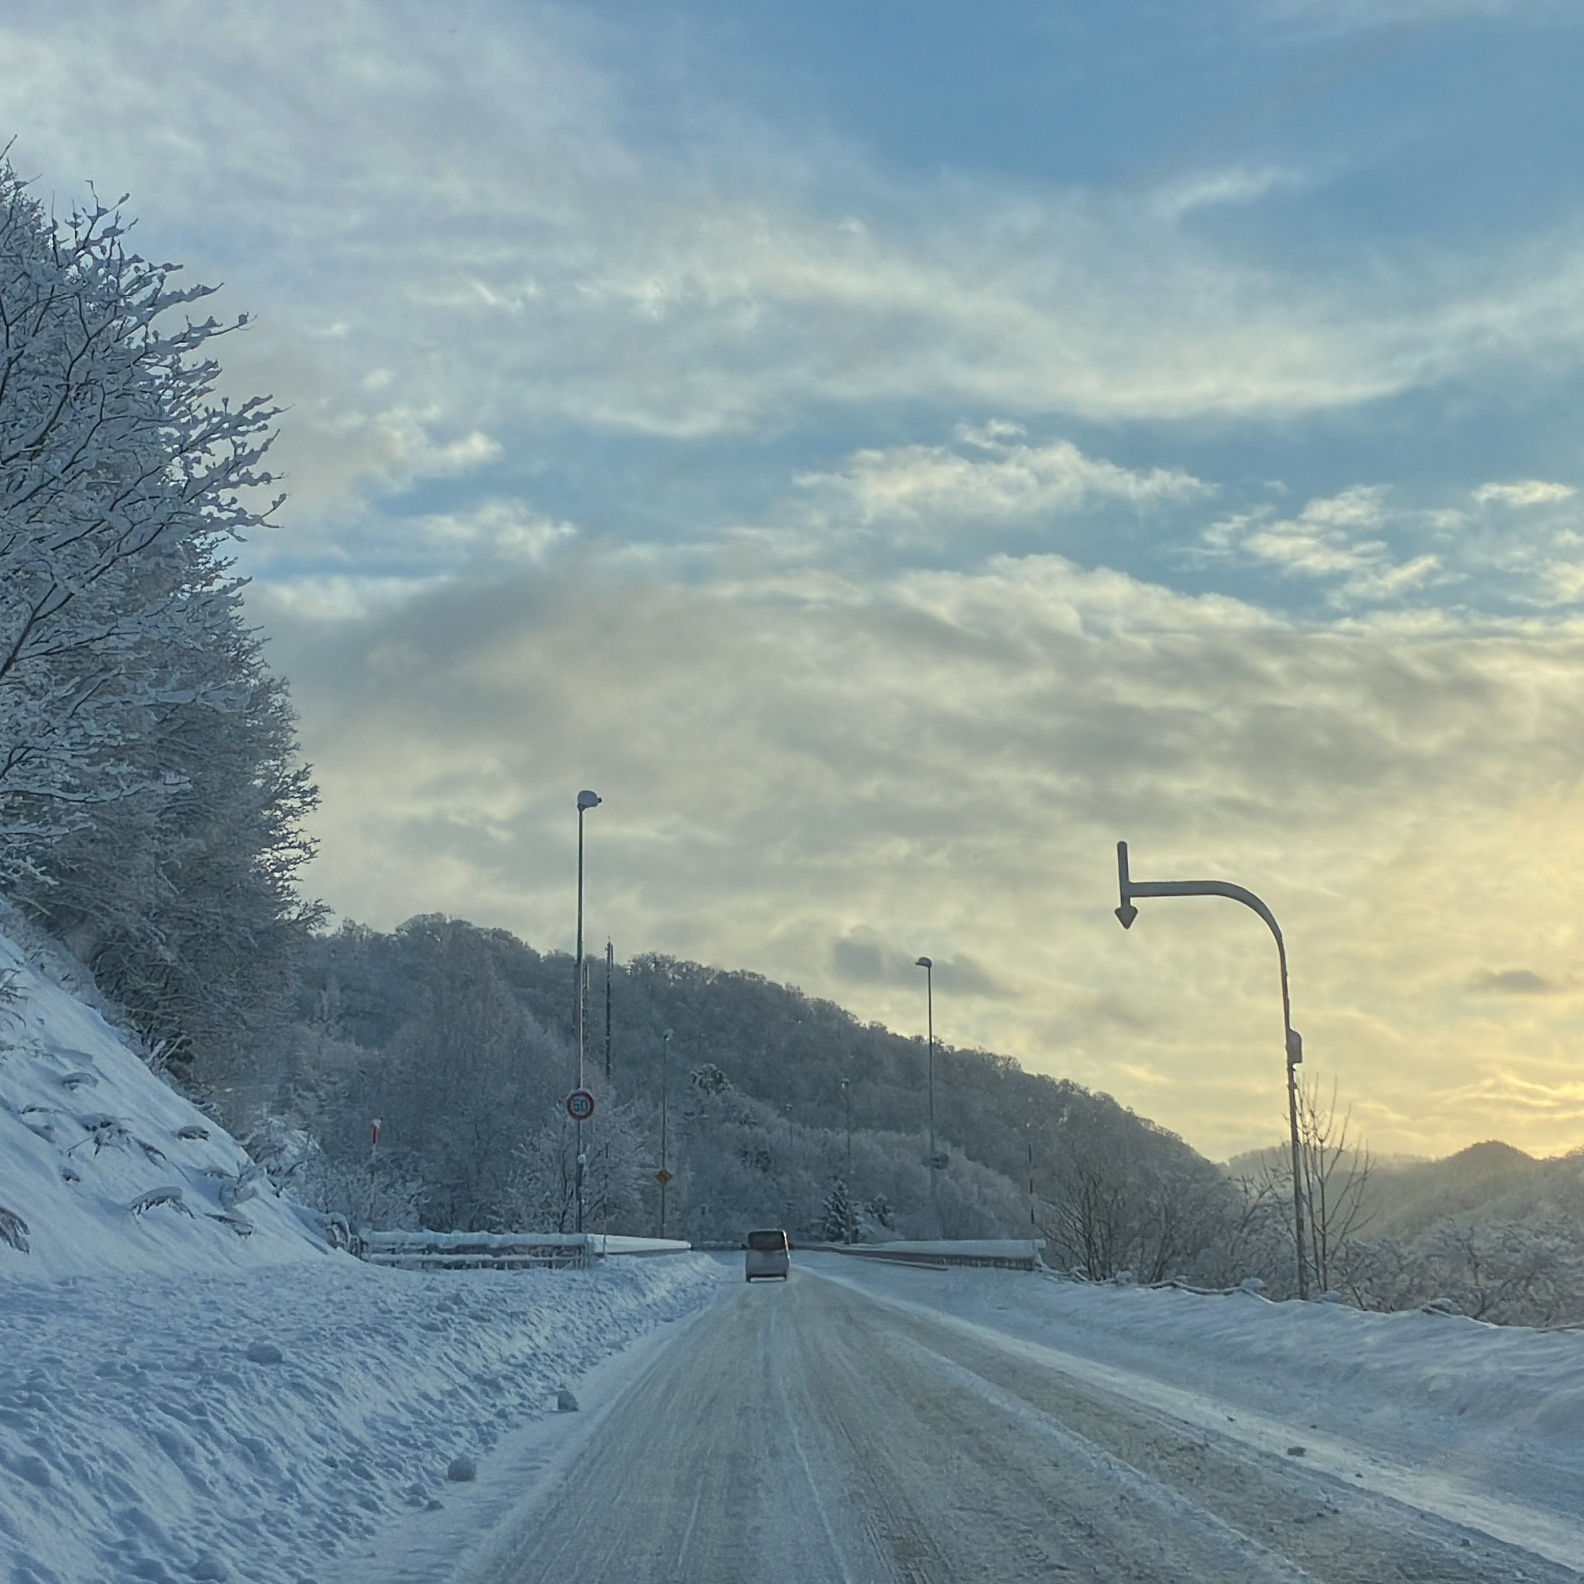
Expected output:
(840, 1224)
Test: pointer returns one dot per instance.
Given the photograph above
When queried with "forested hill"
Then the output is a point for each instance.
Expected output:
(460, 1040)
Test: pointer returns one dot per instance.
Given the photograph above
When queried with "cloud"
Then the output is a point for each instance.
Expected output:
(1340, 538)
(992, 477)
(477, 211)
(1526, 492)
(1233, 185)
(860, 957)
(1328, 17)
(819, 781)
(1510, 981)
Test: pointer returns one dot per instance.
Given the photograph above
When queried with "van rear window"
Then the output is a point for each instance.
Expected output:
(767, 1242)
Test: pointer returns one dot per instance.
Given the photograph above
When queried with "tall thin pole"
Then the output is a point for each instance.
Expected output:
(585, 801)
(847, 1101)
(1028, 1134)
(928, 965)
(850, 1225)
(577, 1013)
(665, 1168)
(610, 958)
(577, 975)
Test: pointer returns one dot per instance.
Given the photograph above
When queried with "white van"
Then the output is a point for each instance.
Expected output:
(769, 1254)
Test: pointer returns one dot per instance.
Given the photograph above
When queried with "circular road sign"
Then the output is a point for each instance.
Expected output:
(580, 1105)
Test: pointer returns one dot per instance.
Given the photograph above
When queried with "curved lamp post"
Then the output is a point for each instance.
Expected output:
(1293, 1043)
(927, 964)
(585, 801)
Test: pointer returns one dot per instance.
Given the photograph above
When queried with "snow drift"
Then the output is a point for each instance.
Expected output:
(105, 1168)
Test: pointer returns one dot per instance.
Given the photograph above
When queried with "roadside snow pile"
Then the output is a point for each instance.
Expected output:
(192, 1386)
(102, 1166)
(256, 1425)
(1494, 1408)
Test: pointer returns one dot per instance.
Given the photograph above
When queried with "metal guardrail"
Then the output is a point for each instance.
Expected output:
(1023, 1254)
(502, 1250)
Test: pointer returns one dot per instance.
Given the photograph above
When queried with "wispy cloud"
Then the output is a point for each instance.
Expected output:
(1234, 185)
(992, 476)
(1525, 492)
(450, 245)
(1341, 538)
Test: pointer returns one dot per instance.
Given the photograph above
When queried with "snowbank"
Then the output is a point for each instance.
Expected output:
(1482, 1408)
(262, 1425)
(192, 1386)
(106, 1168)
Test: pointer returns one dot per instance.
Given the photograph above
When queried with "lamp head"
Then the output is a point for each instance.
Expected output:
(924, 962)
(1127, 912)
(588, 800)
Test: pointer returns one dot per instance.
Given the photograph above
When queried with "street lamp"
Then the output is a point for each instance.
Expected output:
(585, 801)
(929, 1001)
(1293, 1041)
(665, 1168)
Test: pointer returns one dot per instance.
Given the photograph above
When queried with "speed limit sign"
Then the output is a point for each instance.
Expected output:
(580, 1105)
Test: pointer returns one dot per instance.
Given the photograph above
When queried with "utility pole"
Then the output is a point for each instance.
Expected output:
(928, 965)
(847, 1102)
(610, 958)
(1028, 1134)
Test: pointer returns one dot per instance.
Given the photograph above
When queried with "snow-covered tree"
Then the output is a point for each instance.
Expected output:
(150, 798)
(120, 475)
(465, 1077)
(841, 1219)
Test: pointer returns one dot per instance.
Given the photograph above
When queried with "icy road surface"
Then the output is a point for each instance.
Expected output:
(806, 1432)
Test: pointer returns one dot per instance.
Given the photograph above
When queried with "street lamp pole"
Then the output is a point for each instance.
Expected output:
(665, 1167)
(585, 801)
(1028, 1138)
(927, 964)
(847, 1102)
(610, 963)
(1293, 1041)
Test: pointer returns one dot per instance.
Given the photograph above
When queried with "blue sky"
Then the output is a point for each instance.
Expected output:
(894, 451)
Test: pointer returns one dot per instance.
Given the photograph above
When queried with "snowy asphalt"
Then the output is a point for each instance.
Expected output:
(804, 1432)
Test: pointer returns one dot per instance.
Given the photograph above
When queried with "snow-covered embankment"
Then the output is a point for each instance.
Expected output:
(1480, 1423)
(191, 1384)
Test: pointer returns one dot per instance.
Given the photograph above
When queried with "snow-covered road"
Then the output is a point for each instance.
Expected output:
(817, 1431)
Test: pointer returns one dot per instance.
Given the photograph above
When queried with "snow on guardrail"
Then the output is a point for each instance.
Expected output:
(503, 1250)
(1001, 1253)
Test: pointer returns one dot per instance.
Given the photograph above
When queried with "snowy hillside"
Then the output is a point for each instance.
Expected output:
(191, 1384)
(105, 1168)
